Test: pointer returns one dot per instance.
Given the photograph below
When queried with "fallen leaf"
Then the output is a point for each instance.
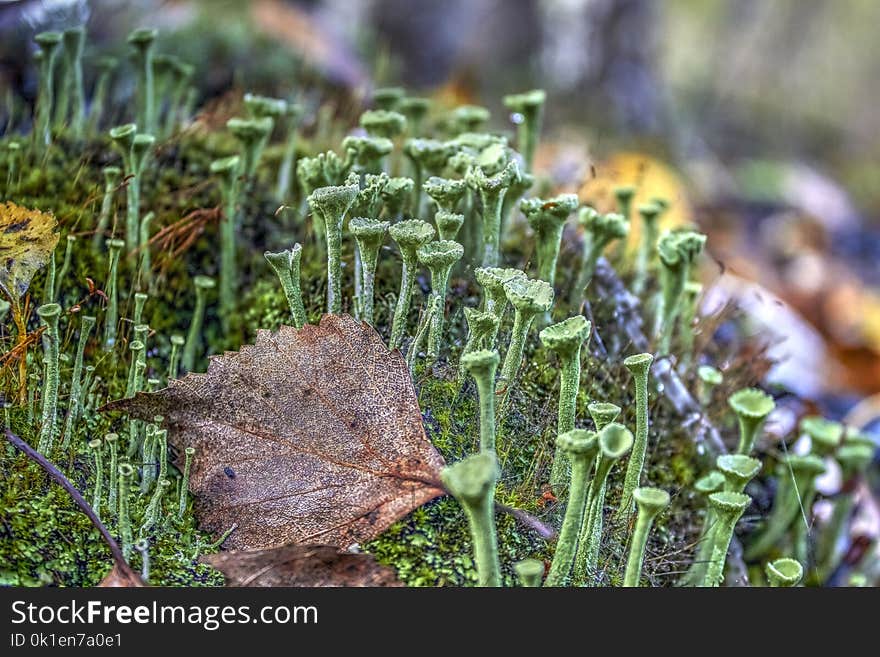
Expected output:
(27, 240)
(122, 578)
(308, 436)
(301, 565)
(651, 178)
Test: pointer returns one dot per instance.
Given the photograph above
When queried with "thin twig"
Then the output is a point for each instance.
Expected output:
(543, 530)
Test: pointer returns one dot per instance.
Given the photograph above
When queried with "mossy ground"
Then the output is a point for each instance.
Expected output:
(45, 540)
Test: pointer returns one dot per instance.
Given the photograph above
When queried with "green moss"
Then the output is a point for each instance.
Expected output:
(48, 540)
(432, 546)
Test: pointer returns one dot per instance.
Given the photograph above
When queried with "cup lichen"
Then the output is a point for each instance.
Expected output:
(752, 406)
(369, 235)
(472, 483)
(439, 257)
(482, 365)
(615, 441)
(566, 340)
(410, 235)
(286, 265)
(580, 448)
(639, 366)
(784, 572)
(333, 203)
(547, 218)
(529, 299)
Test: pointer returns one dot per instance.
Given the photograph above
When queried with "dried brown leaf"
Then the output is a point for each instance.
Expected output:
(309, 435)
(301, 565)
(118, 577)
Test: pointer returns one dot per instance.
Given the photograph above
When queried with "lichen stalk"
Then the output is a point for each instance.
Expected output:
(228, 170)
(547, 218)
(193, 337)
(492, 190)
(49, 314)
(482, 365)
(177, 341)
(286, 168)
(49, 287)
(472, 483)
(106, 66)
(528, 108)
(48, 42)
(140, 301)
(420, 339)
(530, 572)
(253, 135)
(494, 302)
(599, 231)
(143, 548)
(189, 452)
(113, 491)
(678, 251)
(137, 348)
(112, 176)
(86, 323)
(142, 40)
(639, 366)
(95, 446)
(369, 234)
(580, 448)
(439, 257)
(529, 299)
(615, 440)
(151, 513)
(752, 406)
(853, 458)
(125, 473)
(649, 212)
(333, 204)
(728, 508)
(286, 266)
(409, 235)
(481, 326)
(125, 137)
(73, 40)
(566, 339)
(65, 267)
(650, 502)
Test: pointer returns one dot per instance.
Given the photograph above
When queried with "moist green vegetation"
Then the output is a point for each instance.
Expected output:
(199, 226)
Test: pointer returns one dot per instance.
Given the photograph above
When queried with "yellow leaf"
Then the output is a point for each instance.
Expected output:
(27, 240)
(651, 178)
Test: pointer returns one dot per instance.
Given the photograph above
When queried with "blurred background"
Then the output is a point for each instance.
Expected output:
(757, 118)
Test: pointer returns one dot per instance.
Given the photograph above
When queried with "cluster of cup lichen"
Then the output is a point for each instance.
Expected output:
(424, 222)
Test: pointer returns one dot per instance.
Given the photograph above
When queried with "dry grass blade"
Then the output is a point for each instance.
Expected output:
(176, 239)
